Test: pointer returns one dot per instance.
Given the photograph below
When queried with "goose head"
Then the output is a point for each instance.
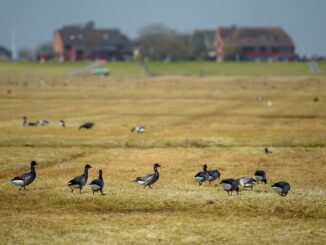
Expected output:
(156, 165)
(205, 167)
(87, 166)
(264, 180)
(33, 163)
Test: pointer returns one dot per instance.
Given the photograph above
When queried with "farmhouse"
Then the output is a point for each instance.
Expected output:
(253, 44)
(79, 42)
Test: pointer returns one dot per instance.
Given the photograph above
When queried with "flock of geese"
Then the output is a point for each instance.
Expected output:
(96, 185)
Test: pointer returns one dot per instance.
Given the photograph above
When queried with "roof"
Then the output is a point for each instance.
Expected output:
(256, 36)
(81, 35)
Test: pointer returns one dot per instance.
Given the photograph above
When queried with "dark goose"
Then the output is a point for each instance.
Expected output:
(202, 176)
(230, 185)
(282, 188)
(260, 176)
(26, 178)
(97, 184)
(79, 181)
(87, 125)
(148, 179)
(28, 124)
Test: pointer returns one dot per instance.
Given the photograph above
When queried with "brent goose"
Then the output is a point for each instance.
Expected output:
(28, 124)
(26, 178)
(267, 151)
(260, 176)
(97, 184)
(138, 129)
(87, 125)
(62, 123)
(43, 122)
(281, 188)
(148, 179)
(247, 182)
(213, 175)
(79, 181)
(202, 176)
(230, 185)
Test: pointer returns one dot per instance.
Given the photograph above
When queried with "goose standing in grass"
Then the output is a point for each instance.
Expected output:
(87, 125)
(260, 176)
(62, 123)
(28, 124)
(43, 122)
(138, 129)
(202, 176)
(282, 188)
(79, 181)
(26, 178)
(213, 175)
(267, 151)
(230, 185)
(149, 179)
(247, 182)
(97, 184)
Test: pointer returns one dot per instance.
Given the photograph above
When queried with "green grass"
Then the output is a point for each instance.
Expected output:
(191, 120)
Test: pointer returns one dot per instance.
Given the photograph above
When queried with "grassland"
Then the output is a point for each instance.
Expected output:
(195, 114)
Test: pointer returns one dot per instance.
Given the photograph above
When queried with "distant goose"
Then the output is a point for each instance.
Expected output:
(28, 124)
(260, 176)
(79, 181)
(87, 125)
(202, 176)
(230, 185)
(267, 151)
(43, 122)
(62, 123)
(97, 184)
(149, 179)
(138, 129)
(26, 178)
(281, 188)
(213, 175)
(247, 182)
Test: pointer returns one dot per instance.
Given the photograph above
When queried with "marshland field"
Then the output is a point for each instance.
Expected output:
(223, 115)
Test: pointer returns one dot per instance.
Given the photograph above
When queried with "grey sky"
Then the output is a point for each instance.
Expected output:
(35, 20)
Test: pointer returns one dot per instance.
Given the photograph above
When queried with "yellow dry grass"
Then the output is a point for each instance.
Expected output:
(190, 121)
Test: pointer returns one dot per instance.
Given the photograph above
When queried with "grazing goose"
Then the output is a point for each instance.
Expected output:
(43, 122)
(267, 151)
(281, 188)
(260, 176)
(79, 181)
(97, 184)
(230, 185)
(26, 178)
(149, 179)
(202, 176)
(138, 129)
(28, 124)
(62, 123)
(87, 125)
(247, 182)
(213, 175)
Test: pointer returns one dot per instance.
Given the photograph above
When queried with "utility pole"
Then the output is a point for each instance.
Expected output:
(13, 44)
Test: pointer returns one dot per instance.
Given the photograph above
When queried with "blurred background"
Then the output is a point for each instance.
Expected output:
(253, 30)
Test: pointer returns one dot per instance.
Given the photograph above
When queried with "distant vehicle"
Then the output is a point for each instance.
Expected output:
(101, 71)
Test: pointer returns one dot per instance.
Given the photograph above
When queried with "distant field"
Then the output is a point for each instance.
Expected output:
(195, 113)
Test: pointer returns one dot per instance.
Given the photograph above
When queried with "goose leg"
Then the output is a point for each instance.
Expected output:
(93, 192)
(24, 188)
(102, 192)
(150, 186)
(80, 190)
(72, 190)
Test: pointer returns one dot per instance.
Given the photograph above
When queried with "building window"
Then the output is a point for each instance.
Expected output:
(72, 37)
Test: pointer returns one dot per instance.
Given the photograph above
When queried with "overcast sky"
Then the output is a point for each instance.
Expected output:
(35, 20)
